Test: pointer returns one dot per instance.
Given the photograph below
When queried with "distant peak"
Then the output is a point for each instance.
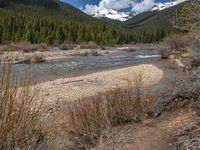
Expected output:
(113, 14)
(162, 6)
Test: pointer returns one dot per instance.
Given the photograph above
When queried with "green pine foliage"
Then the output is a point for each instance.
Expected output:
(15, 27)
(51, 21)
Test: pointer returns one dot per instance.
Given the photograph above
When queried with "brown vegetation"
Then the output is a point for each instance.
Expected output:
(89, 45)
(66, 46)
(35, 58)
(173, 45)
(25, 47)
(19, 115)
(88, 117)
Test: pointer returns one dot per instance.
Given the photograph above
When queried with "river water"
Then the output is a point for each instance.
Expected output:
(81, 65)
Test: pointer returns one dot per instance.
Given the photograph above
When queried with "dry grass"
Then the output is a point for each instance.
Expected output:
(89, 45)
(122, 105)
(66, 46)
(19, 112)
(25, 47)
(42, 47)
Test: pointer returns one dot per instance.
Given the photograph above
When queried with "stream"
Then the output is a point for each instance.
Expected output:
(81, 65)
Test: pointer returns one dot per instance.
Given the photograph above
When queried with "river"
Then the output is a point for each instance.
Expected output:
(81, 65)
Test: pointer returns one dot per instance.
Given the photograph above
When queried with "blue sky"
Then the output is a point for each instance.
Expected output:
(136, 6)
(82, 3)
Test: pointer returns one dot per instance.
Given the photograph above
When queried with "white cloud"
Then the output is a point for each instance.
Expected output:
(137, 6)
(108, 4)
(142, 6)
(115, 4)
(91, 9)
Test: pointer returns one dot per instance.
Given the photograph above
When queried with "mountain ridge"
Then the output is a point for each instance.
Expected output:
(124, 16)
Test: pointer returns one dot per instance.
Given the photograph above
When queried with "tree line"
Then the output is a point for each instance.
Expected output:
(16, 27)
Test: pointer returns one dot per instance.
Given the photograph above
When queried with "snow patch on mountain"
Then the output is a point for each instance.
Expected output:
(100, 11)
(113, 14)
(162, 6)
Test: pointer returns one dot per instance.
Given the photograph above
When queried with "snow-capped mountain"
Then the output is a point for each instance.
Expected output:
(123, 16)
(162, 6)
(113, 14)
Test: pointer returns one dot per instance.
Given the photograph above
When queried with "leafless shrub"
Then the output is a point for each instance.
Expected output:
(89, 45)
(103, 47)
(173, 45)
(66, 46)
(88, 117)
(9, 47)
(92, 45)
(25, 47)
(35, 58)
(42, 47)
(19, 114)
(83, 45)
(175, 42)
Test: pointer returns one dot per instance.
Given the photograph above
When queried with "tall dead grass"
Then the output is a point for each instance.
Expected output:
(88, 117)
(19, 114)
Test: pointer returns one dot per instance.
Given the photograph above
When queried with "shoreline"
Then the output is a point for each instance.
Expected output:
(70, 89)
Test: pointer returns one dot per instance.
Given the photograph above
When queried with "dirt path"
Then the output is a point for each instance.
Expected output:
(158, 135)
(151, 135)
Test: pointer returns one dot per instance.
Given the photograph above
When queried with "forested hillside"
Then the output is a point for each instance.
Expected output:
(151, 21)
(53, 21)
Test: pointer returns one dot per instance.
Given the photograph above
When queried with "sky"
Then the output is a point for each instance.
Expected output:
(135, 6)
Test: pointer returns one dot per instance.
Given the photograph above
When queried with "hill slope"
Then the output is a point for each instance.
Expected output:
(153, 20)
(52, 21)
(46, 8)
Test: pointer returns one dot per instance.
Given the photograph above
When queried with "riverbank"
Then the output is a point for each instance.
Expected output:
(69, 89)
(56, 53)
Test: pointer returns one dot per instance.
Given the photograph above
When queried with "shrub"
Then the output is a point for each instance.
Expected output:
(35, 58)
(92, 45)
(66, 46)
(9, 47)
(174, 42)
(173, 45)
(41, 47)
(103, 48)
(26, 47)
(88, 117)
(19, 114)
(83, 45)
(89, 45)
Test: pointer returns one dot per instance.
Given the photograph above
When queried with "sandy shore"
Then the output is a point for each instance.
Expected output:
(69, 89)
